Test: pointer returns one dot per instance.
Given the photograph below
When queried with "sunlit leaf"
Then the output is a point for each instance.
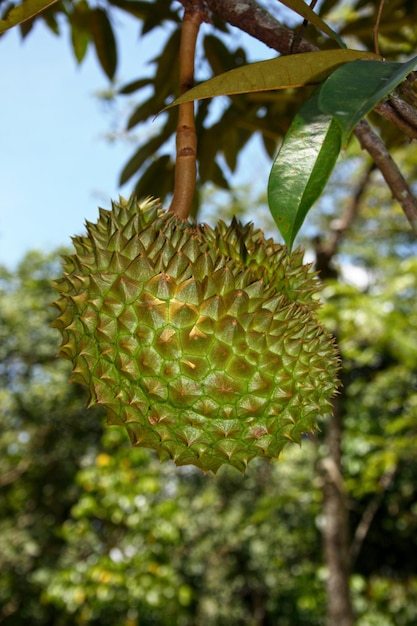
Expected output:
(303, 165)
(300, 7)
(24, 11)
(289, 71)
(354, 89)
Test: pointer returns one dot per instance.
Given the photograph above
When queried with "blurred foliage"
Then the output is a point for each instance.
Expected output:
(44, 431)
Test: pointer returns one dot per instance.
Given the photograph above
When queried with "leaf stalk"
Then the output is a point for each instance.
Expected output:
(186, 137)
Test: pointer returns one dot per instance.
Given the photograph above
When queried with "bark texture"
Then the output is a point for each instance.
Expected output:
(336, 526)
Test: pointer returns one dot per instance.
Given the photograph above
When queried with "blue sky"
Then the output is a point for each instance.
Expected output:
(56, 166)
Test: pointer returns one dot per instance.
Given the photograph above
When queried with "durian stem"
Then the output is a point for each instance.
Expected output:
(186, 139)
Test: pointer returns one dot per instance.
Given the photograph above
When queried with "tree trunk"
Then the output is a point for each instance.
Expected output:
(336, 526)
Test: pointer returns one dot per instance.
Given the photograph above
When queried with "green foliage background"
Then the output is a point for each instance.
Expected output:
(95, 532)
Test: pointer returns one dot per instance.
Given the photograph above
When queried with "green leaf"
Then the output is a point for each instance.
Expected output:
(142, 112)
(135, 85)
(149, 149)
(304, 163)
(295, 70)
(80, 30)
(353, 90)
(104, 41)
(50, 19)
(220, 58)
(145, 152)
(135, 8)
(24, 11)
(300, 7)
(218, 178)
(158, 179)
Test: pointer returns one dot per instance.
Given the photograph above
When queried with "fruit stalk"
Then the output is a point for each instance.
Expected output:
(186, 139)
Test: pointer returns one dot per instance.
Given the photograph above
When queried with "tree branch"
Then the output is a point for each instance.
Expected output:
(186, 138)
(248, 16)
(400, 113)
(389, 170)
(256, 21)
(369, 514)
(336, 524)
(325, 251)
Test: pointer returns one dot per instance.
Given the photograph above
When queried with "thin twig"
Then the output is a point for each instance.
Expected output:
(339, 227)
(375, 29)
(302, 30)
(186, 139)
(325, 251)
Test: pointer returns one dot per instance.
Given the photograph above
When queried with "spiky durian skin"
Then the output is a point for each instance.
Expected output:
(204, 343)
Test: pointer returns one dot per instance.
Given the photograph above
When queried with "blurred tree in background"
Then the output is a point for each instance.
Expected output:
(95, 532)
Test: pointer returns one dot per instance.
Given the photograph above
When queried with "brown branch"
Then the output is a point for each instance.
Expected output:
(259, 23)
(406, 89)
(256, 21)
(400, 113)
(339, 227)
(335, 530)
(325, 251)
(395, 180)
(186, 139)
(375, 29)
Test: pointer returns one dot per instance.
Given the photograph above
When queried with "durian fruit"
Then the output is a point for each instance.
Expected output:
(203, 343)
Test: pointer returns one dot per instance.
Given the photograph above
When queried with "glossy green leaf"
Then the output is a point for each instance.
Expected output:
(300, 7)
(301, 169)
(353, 90)
(24, 11)
(104, 41)
(295, 70)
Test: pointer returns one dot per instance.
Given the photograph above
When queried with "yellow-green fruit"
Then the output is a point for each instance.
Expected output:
(204, 343)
